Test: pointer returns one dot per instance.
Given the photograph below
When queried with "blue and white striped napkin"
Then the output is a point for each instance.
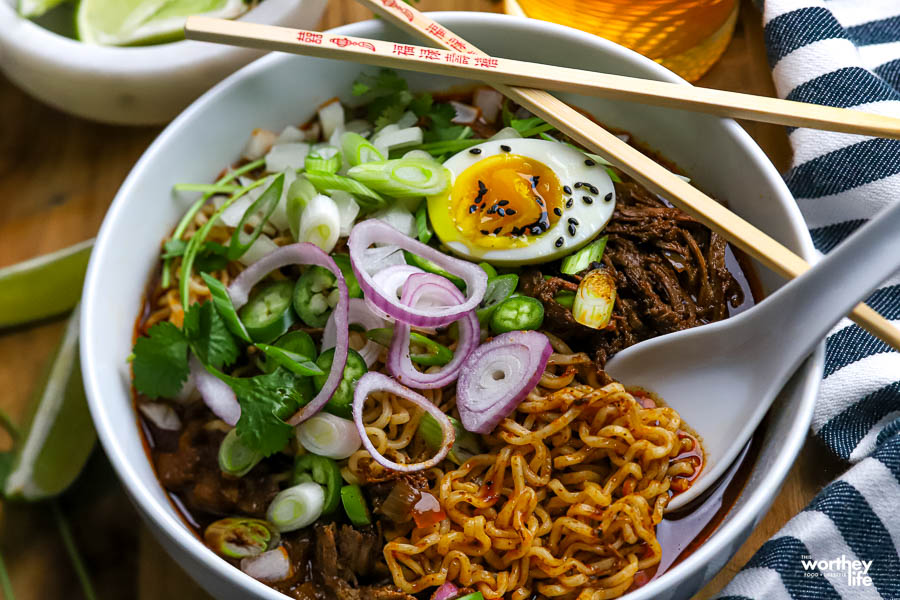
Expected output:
(842, 53)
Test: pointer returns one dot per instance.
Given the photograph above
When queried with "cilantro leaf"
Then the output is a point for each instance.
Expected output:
(421, 104)
(208, 336)
(266, 400)
(210, 257)
(383, 83)
(160, 362)
(440, 117)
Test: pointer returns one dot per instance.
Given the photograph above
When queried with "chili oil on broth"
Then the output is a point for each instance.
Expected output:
(399, 435)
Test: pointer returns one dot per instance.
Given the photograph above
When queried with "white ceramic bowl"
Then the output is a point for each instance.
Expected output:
(278, 90)
(143, 85)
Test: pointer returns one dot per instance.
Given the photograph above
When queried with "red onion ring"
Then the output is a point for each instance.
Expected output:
(216, 394)
(390, 282)
(372, 231)
(448, 591)
(399, 363)
(358, 313)
(303, 253)
(498, 375)
(378, 382)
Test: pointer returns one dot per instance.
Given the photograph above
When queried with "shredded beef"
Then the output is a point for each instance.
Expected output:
(669, 270)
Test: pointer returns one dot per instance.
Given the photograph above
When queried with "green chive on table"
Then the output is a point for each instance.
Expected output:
(57, 176)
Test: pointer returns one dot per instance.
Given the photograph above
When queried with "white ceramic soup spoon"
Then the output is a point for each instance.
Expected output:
(723, 377)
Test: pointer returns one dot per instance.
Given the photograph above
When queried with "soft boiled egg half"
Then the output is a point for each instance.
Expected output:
(518, 201)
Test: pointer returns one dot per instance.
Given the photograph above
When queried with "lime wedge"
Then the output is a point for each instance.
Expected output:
(44, 286)
(134, 22)
(35, 8)
(59, 436)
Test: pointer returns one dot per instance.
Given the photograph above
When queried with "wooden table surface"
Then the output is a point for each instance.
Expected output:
(58, 173)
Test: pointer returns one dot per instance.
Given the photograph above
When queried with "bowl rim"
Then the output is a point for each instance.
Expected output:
(26, 35)
(756, 501)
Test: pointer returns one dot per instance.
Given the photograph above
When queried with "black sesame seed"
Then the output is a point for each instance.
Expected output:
(481, 187)
(569, 203)
(510, 211)
(578, 184)
(536, 231)
(473, 208)
(503, 202)
(567, 189)
(571, 229)
(587, 199)
(501, 212)
(497, 230)
(589, 162)
(492, 210)
(484, 232)
(593, 189)
(482, 205)
(505, 148)
(559, 242)
(573, 221)
(608, 197)
(557, 211)
(475, 151)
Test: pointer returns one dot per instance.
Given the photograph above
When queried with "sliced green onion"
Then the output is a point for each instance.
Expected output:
(357, 149)
(355, 505)
(472, 596)
(300, 193)
(581, 260)
(367, 198)
(430, 267)
(403, 177)
(488, 268)
(435, 354)
(320, 223)
(188, 217)
(317, 162)
(423, 227)
(223, 304)
(595, 299)
(465, 447)
(328, 435)
(196, 241)
(206, 188)
(295, 363)
(565, 299)
(262, 207)
(239, 537)
(296, 507)
(235, 457)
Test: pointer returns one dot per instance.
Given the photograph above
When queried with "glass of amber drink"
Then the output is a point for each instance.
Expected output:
(687, 36)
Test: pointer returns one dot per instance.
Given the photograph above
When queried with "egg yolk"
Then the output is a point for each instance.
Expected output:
(502, 199)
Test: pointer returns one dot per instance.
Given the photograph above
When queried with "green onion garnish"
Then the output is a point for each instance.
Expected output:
(297, 506)
(581, 260)
(316, 162)
(357, 149)
(235, 458)
(403, 177)
(368, 199)
(262, 207)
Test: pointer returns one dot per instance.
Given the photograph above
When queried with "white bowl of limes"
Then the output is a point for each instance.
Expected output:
(65, 59)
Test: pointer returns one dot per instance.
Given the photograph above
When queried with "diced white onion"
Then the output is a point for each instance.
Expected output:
(296, 507)
(489, 101)
(466, 114)
(260, 247)
(328, 435)
(331, 117)
(164, 416)
(325, 150)
(387, 139)
(347, 208)
(320, 223)
(290, 135)
(407, 119)
(286, 156)
(399, 218)
(259, 143)
(360, 126)
(270, 567)
(507, 133)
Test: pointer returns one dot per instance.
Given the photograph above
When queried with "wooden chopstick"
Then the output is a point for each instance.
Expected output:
(584, 131)
(526, 74)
